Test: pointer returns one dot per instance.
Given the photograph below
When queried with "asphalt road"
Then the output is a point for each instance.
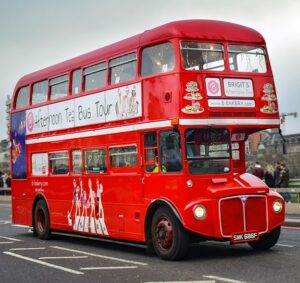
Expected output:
(25, 258)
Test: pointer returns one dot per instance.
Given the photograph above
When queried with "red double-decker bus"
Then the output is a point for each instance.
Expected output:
(144, 140)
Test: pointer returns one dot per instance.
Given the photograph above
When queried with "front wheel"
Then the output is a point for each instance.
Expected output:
(266, 241)
(42, 220)
(170, 239)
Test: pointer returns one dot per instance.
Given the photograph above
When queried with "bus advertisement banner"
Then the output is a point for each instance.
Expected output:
(18, 149)
(106, 106)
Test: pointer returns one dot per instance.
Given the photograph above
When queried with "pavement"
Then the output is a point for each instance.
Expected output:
(292, 216)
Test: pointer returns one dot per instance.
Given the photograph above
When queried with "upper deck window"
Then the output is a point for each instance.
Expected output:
(59, 87)
(23, 97)
(202, 56)
(123, 69)
(247, 59)
(40, 92)
(158, 59)
(76, 81)
(95, 76)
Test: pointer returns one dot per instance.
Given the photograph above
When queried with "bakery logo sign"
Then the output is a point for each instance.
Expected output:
(107, 106)
(238, 88)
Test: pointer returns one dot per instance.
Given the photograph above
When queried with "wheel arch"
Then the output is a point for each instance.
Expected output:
(150, 212)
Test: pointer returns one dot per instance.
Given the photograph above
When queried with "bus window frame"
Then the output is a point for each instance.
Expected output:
(204, 41)
(16, 98)
(187, 160)
(83, 68)
(30, 167)
(226, 57)
(125, 169)
(81, 81)
(71, 162)
(50, 164)
(50, 85)
(84, 170)
(174, 43)
(32, 89)
(109, 72)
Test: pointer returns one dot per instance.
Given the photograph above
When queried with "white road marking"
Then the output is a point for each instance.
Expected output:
(282, 245)
(11, 239)
(63, 257)
(202, 281)
(223, 279)
(291, 228)
(107, 267)
(4, 222)
(20, 226)
(101, 240)
(6, 242)
(44, 263)
(26, 249)
(100, 256)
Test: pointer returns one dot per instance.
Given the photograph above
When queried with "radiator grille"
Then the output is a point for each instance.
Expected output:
(243, 214)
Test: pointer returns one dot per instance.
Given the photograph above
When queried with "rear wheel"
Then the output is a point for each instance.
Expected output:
(42, 220)
(266, 241)
(170, 239)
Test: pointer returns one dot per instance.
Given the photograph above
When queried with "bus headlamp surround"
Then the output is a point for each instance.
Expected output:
(277, 206)
(199, 212)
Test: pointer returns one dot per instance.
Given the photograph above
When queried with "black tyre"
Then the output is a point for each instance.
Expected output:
(42, 220)
(170, 239)
(266, 241)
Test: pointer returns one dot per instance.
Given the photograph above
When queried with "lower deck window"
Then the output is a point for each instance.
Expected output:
(39, 164)
(59, 163)
(124, 156)
(95, 161)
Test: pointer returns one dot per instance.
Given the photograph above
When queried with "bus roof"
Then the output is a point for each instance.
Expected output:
(197, 29)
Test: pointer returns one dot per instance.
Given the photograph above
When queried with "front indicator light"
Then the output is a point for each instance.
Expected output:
(199, 212)
(277, 206)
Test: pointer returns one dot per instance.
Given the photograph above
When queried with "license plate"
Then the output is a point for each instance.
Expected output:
(244, 237)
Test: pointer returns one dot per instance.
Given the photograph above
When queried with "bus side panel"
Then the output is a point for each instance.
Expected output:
(116, 209)
(21, 203)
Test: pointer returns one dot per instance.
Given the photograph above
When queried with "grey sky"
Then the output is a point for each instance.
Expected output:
(35, 34)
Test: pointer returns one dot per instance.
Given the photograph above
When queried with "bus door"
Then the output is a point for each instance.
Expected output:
(162, 161)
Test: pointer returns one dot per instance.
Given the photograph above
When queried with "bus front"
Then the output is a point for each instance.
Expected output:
(227, 93)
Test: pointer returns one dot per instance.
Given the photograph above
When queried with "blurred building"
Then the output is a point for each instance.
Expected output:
(4, 143)
(269, 147)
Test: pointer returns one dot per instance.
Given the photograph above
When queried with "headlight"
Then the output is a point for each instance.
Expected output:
(189, 183)
(199, 212)
(277, 206)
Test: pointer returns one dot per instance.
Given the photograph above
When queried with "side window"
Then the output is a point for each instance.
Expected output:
(40, 92)
(170, 151)
(76, 81)
(59, 163)
(124, 156)
(76, 161)
(95, 161)
(59, 87)
(202, 56)
(39, 164)
(158, 59)
(23, 97)
(247, 59)
(95, 76)
(151, 152)
(123, 69)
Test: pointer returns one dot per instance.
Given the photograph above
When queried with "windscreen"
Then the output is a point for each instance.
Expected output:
(208, 150)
